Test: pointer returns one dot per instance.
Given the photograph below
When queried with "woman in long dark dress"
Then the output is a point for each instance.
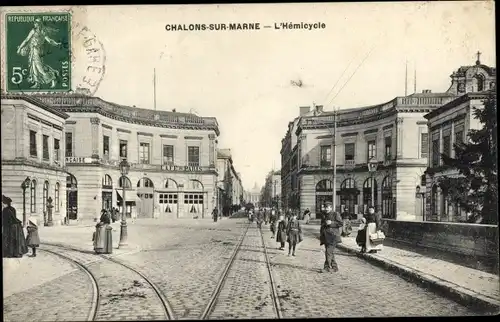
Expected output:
(14, 242)
(281, 235)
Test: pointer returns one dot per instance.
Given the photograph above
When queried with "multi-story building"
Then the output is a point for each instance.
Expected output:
(33, 152)
(171, 155)
(448, 125)
(271, 193)
(228, 182)
(394, 134)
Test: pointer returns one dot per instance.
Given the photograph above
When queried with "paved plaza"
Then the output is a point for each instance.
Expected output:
(173, 270)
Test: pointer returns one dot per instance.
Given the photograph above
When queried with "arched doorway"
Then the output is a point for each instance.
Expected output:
(367, 193)
(71, 197)
(387, 200)
(169, 198)
(349, 197)
(107, 192)
(194, 199)
(324, 193)
(124, 182)
(145, 192)
(434, 203)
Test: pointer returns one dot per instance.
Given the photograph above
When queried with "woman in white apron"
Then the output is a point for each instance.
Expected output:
(374, 237)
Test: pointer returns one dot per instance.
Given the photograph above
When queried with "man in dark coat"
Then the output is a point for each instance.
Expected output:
(331, 233)
(215, 214)
(14, 242)
(328, 214)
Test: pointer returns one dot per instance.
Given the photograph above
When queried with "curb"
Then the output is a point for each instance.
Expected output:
(455, 292)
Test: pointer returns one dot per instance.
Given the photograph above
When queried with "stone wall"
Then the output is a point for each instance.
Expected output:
(475, 240)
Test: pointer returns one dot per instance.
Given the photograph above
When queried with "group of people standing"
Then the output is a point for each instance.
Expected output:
(15, 245)
(284, 228)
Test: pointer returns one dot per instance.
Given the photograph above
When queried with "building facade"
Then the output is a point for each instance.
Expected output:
(172, 159)
(271, 194)
(33, 150)
(393, 134)
(230, 189)
(254, 195)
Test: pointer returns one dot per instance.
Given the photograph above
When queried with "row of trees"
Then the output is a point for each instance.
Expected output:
(476, 189)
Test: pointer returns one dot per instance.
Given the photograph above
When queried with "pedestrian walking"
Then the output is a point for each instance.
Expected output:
(260, 219)
(307, 216)
(114, 214)
(33, 239)
(361, 236)
(328, 214)
(294, 234)
(266, 216)
(281, 234)
(273, 223)
(330, 236)
(215, 214)
(14, 243)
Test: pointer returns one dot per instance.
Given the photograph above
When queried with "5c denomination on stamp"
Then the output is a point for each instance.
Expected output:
(38, 52)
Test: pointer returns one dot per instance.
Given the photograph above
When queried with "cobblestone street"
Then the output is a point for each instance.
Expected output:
(176, 269)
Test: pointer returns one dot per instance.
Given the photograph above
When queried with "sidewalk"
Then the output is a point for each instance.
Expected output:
(465, 285)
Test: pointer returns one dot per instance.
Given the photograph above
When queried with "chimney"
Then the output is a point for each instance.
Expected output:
(304, 110)
(319, 108)
(426, 91)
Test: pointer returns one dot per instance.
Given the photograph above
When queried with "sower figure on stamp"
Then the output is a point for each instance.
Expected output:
(32, 46)
(330, 236)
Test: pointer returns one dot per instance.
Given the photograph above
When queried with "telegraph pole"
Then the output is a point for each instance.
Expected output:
(334, 156)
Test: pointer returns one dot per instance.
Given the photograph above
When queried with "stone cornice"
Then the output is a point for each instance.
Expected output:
(37, 119)
(460, 100)
(123, 130)
(145, 134)
(349, 134)
(26, 162)
(188, 137)
(388, 126)
(457, 118)
(371, 131)
(168, 136)
(73, 103)
(107, 126)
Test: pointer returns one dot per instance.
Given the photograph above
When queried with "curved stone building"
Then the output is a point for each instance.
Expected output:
(172, 159)
(394, 134)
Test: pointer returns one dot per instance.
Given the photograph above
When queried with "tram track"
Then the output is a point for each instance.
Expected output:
(223, 281)
(97, 298)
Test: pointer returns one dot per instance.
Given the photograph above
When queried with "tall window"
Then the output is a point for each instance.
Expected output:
(349, 151)
(372, 149)
(45, 195)
(56, 150)
(424, 144)
(435, 152)
(388, 147)
(69, 144)
(326, 156)
(193, 156)
(33, 144)
(33, 196)
(45, 144)
(144, 153)
(56, 197)
(168, 154)
(447, 145)
(459, 133)
(105, 146)
(123, 149)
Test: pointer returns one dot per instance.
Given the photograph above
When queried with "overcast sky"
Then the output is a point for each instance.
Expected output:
(243, 77)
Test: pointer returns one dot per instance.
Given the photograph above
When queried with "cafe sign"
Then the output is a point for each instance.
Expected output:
(78, 160)
(181, 168)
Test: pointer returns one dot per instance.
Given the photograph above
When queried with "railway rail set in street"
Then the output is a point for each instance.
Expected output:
(150, 294)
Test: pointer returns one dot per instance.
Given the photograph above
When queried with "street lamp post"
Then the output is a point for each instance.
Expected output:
(372, 168)
(421, 195)
(124, 168)
(26, 183)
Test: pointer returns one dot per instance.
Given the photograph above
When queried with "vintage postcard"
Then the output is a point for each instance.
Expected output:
(249, 161)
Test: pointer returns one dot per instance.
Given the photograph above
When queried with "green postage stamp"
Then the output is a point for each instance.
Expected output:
(38, 52)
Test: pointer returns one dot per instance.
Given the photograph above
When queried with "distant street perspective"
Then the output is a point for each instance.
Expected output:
(277, 161)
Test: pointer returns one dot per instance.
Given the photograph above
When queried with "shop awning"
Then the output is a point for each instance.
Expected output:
(129, 198)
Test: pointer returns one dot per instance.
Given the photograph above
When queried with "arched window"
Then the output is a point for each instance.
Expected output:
(324, 185)
(145, 183)
(33, 196)
(45, 195)
(56, 197)
(480, 82)
(170, 184)
(125, 182)
(348, 183)
(107, 182)
(195, 185)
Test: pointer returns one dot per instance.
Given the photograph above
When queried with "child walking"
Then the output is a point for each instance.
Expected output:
(33, 240)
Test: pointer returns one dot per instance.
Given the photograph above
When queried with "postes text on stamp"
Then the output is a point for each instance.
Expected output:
(38, 52)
